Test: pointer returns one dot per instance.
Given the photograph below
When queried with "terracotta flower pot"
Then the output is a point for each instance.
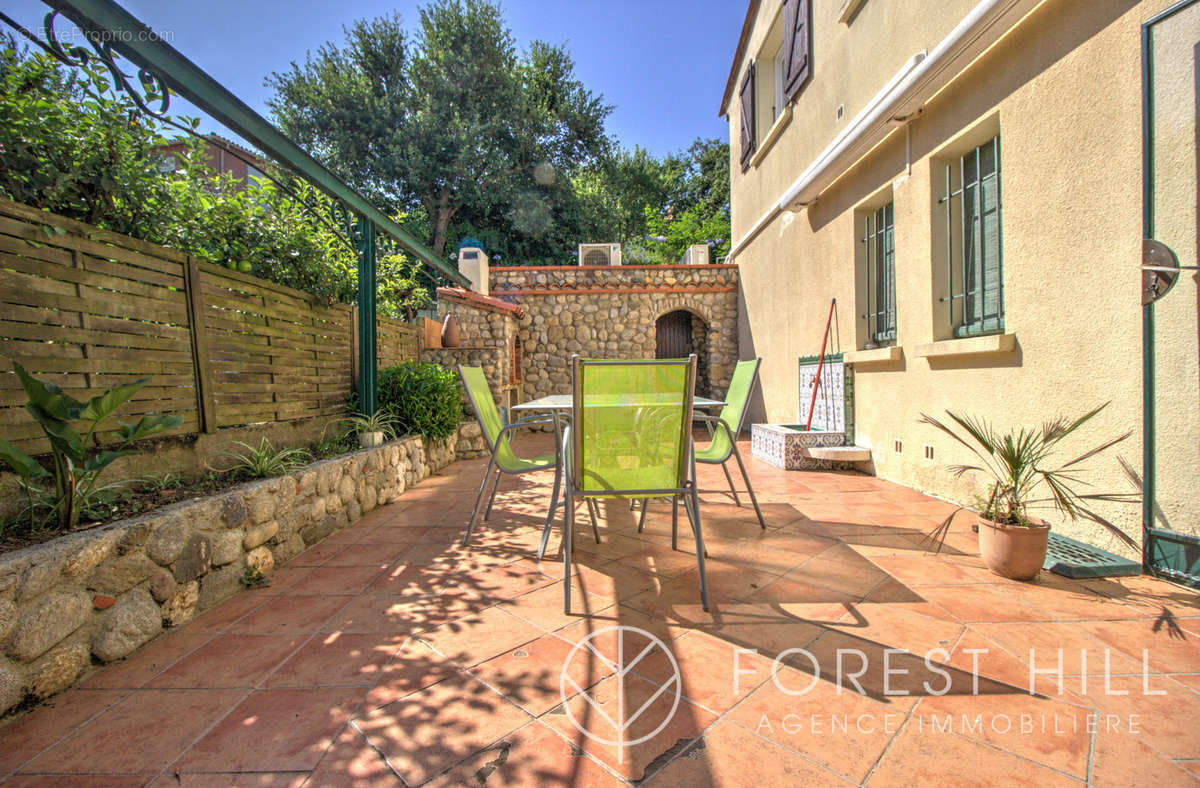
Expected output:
(1013, 551)
(450, 337)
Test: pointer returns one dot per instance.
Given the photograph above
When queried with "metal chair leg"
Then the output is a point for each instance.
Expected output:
(674, 522)
(592, 510)
(642, 516)
(487, 513)
(749, 488)
(568, 523)
(478, 500)
(732, 489)
(550, 515)
(694, 518)
(559, 484)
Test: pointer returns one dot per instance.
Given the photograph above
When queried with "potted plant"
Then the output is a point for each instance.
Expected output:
(374, 430)
(1023, 475)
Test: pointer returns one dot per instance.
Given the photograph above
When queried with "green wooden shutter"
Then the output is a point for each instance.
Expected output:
(982, 267)
(989, 236)
(972, 276)
(887, 262)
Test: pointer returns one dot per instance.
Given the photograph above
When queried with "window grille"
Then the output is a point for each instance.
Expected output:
(974, 252)
(880, 254)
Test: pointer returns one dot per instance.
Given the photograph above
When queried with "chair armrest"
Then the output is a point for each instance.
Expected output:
(713, 422)
(532, 420)
(523, 423)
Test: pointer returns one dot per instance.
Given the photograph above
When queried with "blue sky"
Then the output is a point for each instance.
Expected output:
(663, 63)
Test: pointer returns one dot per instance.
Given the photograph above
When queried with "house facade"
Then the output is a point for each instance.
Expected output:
(224, 157)
(966, 179)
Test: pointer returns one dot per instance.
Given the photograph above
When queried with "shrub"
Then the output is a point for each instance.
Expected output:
(425, 398)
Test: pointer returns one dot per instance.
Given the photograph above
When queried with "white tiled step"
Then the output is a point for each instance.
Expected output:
(837, 453)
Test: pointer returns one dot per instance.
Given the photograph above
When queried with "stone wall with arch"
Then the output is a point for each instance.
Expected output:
(611, 312)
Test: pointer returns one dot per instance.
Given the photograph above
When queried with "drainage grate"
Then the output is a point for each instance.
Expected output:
(1067, 557)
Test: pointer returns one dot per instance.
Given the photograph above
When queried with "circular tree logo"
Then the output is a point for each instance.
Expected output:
(609, 646)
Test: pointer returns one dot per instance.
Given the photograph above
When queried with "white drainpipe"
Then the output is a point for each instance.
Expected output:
(905, 94)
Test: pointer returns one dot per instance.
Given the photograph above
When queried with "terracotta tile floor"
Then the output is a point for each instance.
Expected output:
(836, 651)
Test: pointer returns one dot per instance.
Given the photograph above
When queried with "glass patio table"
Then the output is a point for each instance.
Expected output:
(560, 405)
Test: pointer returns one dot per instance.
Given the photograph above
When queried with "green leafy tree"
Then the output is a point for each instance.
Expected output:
(454, 122)
(703, 179)
(620, 195)
(697, 209)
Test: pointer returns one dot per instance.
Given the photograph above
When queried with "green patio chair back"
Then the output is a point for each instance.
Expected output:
(632, 421)
(631, 437)
(490, 421)
(737, 402)
(503, 458)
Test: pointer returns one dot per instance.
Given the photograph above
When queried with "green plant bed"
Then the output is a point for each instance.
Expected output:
(139, 496)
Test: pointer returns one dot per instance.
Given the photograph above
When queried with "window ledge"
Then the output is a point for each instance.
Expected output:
(971, 346)
(877, 355)
(776, 129)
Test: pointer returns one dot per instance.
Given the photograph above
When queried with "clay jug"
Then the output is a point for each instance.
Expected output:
(450, 337)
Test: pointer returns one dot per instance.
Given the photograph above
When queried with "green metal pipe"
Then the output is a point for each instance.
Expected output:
(367, 355)
(1148, 469)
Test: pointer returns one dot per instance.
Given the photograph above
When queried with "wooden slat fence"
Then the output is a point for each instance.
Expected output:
(273, 354)
(87, 309)
(396, 341)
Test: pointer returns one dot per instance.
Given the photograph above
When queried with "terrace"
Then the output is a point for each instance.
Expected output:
(857, 638)
(388, 654)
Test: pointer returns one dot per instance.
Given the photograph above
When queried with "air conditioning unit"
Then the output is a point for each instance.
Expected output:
(599, 254)
(696, 254)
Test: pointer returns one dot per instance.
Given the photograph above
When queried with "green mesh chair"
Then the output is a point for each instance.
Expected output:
(728, 425)
(498, 436)
(630, 437)
(724, 429)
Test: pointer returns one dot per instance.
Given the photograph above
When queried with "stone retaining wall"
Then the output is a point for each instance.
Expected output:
(97, 596)
(611, 312)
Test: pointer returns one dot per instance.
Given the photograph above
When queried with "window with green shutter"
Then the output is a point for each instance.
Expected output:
(974, 249)
(879, 253)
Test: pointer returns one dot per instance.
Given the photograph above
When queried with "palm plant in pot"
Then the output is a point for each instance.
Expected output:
(1023, 476)
(375, 429)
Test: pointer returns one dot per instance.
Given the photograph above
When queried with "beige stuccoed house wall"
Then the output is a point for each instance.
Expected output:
(1062, 89)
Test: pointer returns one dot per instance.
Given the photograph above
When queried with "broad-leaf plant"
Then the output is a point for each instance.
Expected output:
(75, 462)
